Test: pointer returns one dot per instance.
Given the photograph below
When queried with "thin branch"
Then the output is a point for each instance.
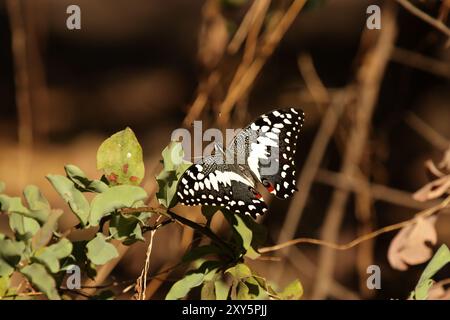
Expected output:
(270, 43)
(202, 229)
(141, 282)
(421, 62)
(439, 25)
(377, 191)
(426, 213)
(427, 132)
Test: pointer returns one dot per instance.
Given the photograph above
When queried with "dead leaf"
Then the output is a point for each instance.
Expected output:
(409, 246)
(433, 190)
(439, 186)
(438, 291)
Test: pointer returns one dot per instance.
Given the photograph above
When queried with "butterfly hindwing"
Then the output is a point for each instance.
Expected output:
(212, 182)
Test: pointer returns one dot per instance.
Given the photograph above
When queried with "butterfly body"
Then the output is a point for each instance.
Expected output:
(263, 152)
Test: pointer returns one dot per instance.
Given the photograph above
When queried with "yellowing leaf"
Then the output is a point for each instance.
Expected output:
(120, 158)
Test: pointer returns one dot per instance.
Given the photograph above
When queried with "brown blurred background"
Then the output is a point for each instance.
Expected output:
(136, 63)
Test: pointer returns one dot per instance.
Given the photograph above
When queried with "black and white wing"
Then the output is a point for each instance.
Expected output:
(213, 182)
(268, 146)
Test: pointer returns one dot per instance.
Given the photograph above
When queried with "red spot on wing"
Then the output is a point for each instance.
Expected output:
(133, 178)
(270, 188)
(258, 196)
(112, 177)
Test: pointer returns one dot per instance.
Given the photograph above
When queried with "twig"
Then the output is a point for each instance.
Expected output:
(202, 229)
(423, 214)
(141, 282)
(369, 79)
(439, 25)
(377, 191)
(427, 132)
(270, 42)
(244, 27)
(312, 80)
(421, 62)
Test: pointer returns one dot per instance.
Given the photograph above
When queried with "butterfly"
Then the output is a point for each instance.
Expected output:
(263, 152)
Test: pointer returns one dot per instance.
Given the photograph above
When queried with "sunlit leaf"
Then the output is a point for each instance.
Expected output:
(41, 279)
(83, 183)
(292, 291)
(44, 234)
(239, 271)
(20, 220)
(23, 227)
(182, 287)
(208, 291)
(127, 228)
(76, 200)
(114, 198)
(221, 289)
(11, 252)
(174, 167)
(439, 260)
(50, 256)
(37, 203)
(192, 279)
(99, 251)
(120, 158)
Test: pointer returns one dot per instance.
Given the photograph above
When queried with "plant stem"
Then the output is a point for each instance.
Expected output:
(173, 216)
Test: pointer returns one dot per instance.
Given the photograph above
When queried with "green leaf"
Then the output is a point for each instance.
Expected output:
(439, 260)
(242, 291)
(293, 291)
(239, 271)
(208, 291)
(4, 286)
(41, 279)
(120, 158)
(182, 287)
(37, 203)
(192, 279)
(76, 200)
(50, 256)
(10, 255)
(83, 183)
(116, 197)
(242, 234)
(127, 228)
(44, 234)
(14, 206)
(99, 251)
(174, 167)
(23, 227)
(221, 290)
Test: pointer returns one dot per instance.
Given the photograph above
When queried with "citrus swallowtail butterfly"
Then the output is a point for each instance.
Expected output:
(263, 152)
